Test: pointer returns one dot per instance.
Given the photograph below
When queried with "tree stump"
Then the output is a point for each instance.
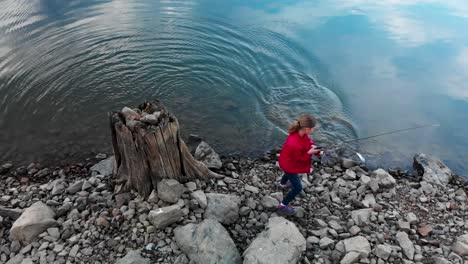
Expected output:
(148, 148)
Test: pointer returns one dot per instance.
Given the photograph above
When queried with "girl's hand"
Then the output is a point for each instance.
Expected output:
(313, 150)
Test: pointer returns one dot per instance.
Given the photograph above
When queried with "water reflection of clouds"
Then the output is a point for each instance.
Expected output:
(393, 16)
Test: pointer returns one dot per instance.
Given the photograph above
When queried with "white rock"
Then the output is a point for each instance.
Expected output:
(34, 221)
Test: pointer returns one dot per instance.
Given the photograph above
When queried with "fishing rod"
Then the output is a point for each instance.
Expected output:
(360, 156)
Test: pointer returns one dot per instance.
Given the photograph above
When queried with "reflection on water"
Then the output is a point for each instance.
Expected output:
(235, 72)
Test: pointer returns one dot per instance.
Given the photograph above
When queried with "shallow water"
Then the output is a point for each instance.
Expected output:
(236, 73)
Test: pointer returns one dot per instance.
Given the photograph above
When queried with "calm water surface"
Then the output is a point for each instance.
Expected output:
(236, 73)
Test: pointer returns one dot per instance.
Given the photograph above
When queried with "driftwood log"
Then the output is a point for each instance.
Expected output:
(148, 148)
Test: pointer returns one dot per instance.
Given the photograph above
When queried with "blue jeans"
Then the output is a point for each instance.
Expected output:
(296, 186)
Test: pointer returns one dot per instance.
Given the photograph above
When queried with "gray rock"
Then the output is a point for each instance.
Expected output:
(439, 260)
(12, 213)
(207, 242)
(404, 226)
(170, 190)
(27, 261)
(104, 167)
(133, 257)
(152, 119)
(325, 242)
(16, 259)
(163, 217)
(383, 251)
(200, 197)
(35, 220)
(351, 257)
(361, 217)
(347, 163)
(208, 156)
(223, 207)
(281, 242)
(191, 186)
(59, 187)
(350, 175)
(405, 244)
(384, 179)
(461, 245)
(181, 259)
(75, 187)
(358, 244)
(412, 218)
(153, 198)
(431, 169)
(251, 189)
(74, 251)
(269, 202)
(54, 232)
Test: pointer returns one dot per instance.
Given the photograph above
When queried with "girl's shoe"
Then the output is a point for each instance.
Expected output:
(286, 209)
(285, 186)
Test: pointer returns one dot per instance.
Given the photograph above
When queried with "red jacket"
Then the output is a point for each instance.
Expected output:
(293, 157)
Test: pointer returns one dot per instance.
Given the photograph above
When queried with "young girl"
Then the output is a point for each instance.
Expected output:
(295, 158)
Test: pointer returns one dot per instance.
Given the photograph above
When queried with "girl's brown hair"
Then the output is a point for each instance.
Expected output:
(306, 120)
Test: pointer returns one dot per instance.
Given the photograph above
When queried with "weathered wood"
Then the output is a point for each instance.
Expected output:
(151, 150)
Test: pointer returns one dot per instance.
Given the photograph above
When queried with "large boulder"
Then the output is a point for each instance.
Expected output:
(431, 169)
(207, 243)
(170, 190)
(133, 257)
(208, 156)
(34, 221)
(163, 217)
(222, 207)
(104, 167)
(281, 242)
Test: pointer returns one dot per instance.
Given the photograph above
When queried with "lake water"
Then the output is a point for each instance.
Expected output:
(236, 73)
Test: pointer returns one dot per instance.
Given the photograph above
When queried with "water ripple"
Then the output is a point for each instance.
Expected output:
(237, 86)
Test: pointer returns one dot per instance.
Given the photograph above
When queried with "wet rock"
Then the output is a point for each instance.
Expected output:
(208, 156)
(163, 217)
(281, 242)
(431, 169)
(223, 207)
(207, 242)
(170, 190)
(35, 220)
(133, 257)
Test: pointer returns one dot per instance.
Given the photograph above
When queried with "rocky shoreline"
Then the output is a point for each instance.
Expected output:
(346, 214)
